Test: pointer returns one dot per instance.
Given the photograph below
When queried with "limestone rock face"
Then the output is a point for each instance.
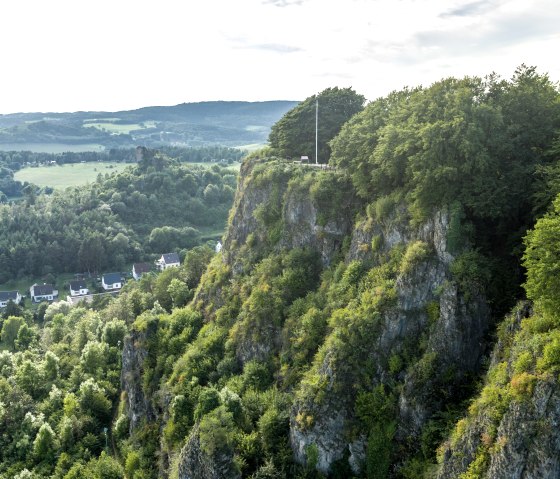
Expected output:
(527, 437)
(301, 225)
(194, 463)
(429, 320)
(138, 406)
(454, 345)
(536, 423)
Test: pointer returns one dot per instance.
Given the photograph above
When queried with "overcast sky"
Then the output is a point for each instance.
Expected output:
(69, 55)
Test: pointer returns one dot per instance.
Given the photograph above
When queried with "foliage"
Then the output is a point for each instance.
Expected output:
(542, 260)
(153, 208)
(294, 134)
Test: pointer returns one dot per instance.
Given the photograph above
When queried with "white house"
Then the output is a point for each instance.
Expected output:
(78, 288)
(168, 260)
(7, 296)
(138, 269)
(111, 281)
(42, 292)
(218, 247)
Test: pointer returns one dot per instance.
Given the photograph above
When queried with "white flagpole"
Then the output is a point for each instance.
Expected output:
(316, 131)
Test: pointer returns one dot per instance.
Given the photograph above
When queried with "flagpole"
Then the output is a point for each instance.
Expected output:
(316, 131)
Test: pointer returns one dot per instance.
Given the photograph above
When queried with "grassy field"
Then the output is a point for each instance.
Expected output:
(117, 129)
(50, 147)
(63, 176)
(76, 174)
(251, 147)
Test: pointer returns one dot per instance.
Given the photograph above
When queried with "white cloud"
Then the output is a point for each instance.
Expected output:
(106, 55)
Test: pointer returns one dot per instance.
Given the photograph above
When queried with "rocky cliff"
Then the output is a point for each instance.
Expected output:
(137, 405)
(511, 430)
(428, 315)
(408, 329)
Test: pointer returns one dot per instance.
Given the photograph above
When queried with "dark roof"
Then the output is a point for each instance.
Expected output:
(42, 289)
(169, 258)
(78, 284)
(7, 295)
(111, 278)
(140, 268)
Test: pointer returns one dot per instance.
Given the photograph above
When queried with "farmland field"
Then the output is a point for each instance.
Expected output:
(116, 128)
(50, 147)
(63, 176)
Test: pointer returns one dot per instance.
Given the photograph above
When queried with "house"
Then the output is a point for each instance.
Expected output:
(218, 247)
(78, 288)
(111, 281)
(138, 269)
(7, 296)
(168, 260)
(42, 292)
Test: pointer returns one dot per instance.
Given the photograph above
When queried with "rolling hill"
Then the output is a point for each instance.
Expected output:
(231, 123)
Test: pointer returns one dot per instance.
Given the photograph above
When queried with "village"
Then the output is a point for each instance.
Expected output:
(111, 284)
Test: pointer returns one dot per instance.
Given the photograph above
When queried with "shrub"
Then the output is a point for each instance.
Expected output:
(216, 431)
(415, 253)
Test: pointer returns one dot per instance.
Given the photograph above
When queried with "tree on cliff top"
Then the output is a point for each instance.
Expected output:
(294, 134)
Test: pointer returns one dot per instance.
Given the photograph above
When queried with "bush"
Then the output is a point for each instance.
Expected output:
(216, 431)
(414, 254)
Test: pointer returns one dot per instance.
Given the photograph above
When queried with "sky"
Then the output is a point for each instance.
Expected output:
(110, 55)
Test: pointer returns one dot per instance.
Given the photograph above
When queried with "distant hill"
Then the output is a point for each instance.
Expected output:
(230, 123)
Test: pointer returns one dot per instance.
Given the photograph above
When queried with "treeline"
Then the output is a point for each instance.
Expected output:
(154, 207)
(15, 160)
(12, 161)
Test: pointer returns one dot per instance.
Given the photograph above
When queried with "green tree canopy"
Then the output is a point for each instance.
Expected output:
(542, 260)
(294, 134)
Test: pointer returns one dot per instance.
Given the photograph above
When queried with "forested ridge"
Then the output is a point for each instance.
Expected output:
(392, 316)
(158, 205)
(232, 123)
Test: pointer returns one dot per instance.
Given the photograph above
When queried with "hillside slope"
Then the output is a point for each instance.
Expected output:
(232, 123)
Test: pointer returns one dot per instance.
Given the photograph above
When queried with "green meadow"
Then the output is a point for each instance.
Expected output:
(63, 176)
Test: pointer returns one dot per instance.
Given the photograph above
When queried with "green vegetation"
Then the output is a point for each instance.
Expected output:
(294, 135)
(318, 339)
(154, 207)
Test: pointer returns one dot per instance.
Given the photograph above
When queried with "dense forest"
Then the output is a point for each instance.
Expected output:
(395, 315)
(158, 205)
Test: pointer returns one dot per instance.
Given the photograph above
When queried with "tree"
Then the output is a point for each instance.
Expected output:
(542, 260)
(25, 337)
(179, 292)
(44, 446)
(294, 134)
(91, 254)
(196, 261)
(10, 330)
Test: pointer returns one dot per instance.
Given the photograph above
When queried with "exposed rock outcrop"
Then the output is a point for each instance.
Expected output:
(195, 463)
(513, 437)
(453, 345)
(138, 406)
(299, 216)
